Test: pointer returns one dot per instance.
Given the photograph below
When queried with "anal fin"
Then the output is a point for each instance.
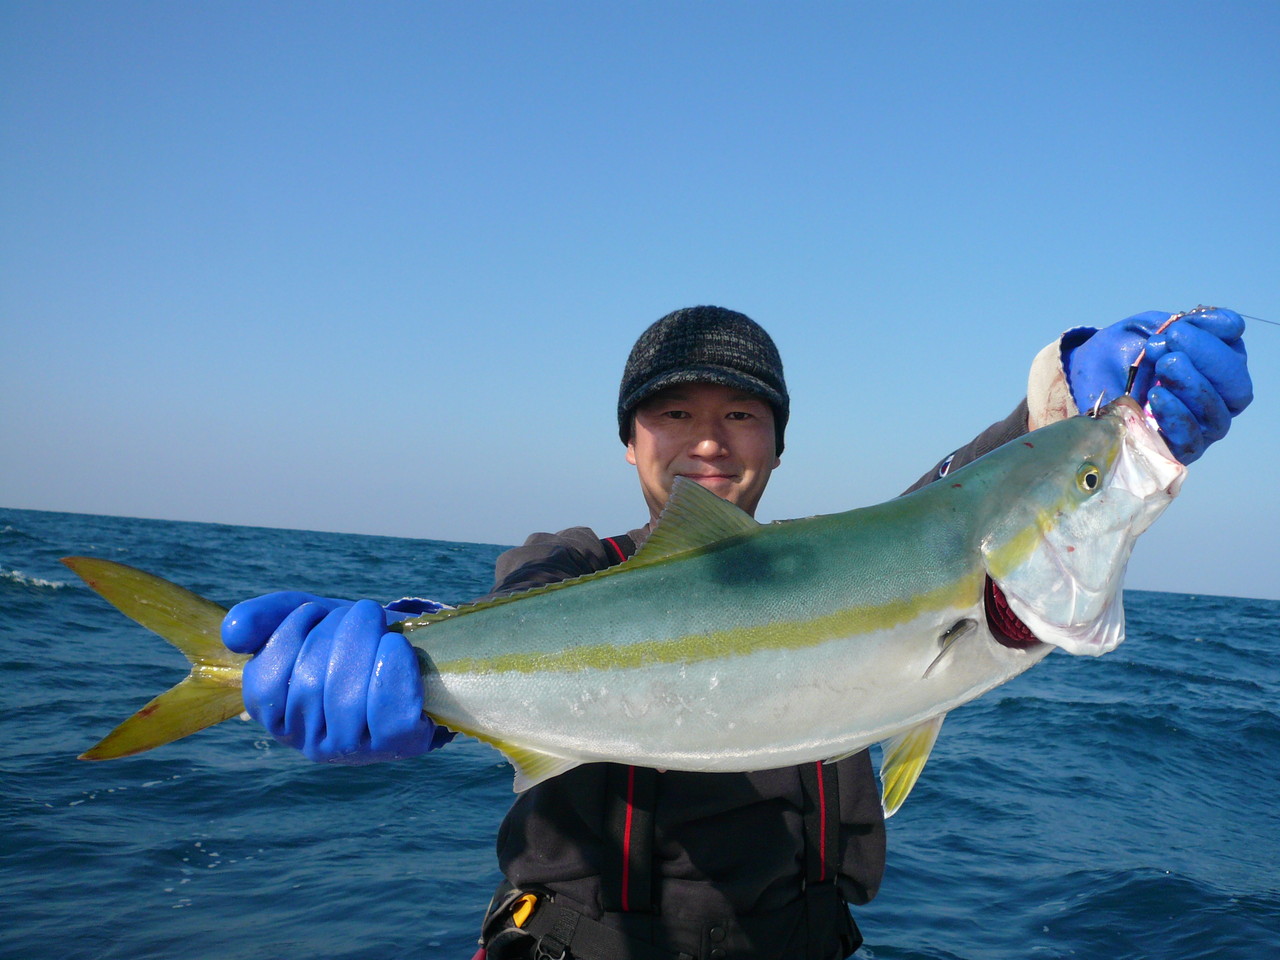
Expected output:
(532, 766)
(904, 757)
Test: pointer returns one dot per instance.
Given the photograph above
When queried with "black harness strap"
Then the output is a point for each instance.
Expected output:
(629, 820)
(619, 548)
(629, 812)
(821, 785)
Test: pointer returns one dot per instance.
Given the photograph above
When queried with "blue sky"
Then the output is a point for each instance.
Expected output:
(376, 267)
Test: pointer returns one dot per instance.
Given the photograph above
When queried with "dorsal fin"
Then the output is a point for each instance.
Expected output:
(693, 518)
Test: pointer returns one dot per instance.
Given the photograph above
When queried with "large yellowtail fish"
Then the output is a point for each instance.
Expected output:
(727, 645)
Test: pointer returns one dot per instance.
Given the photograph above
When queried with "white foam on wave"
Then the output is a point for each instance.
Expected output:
(17, 576)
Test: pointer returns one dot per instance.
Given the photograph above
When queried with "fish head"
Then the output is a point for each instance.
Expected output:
(1084, 490)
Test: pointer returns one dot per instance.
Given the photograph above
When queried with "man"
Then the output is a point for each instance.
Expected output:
(613, 861)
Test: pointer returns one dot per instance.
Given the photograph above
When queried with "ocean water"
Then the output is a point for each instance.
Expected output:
(1127, 806)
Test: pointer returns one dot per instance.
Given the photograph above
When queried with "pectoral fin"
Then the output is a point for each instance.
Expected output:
(904, 758)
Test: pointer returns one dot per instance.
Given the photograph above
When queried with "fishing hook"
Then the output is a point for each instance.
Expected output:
(1133, 367)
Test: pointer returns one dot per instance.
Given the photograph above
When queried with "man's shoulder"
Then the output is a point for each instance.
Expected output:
(581, 538)
(549, 558)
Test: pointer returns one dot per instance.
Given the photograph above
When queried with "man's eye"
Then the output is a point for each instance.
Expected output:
(739, 415)
(676, 414)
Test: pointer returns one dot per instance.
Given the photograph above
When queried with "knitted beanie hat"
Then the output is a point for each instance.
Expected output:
(704, 345)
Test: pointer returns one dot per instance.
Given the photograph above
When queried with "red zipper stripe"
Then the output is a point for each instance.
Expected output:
(822, 820)
(626, 835)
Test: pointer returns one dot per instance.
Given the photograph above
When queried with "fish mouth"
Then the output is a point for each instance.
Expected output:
(1006, 629)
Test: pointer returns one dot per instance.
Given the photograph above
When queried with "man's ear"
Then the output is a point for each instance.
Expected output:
(631, 442)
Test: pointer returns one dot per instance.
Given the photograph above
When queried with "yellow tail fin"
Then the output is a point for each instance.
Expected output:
(209, 695)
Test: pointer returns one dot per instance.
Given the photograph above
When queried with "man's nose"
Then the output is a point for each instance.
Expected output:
(709, 444)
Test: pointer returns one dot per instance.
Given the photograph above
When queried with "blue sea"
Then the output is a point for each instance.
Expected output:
(1127, 806)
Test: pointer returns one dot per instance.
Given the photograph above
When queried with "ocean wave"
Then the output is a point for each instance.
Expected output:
(10, 532)
(1151, 912)
(24, 580)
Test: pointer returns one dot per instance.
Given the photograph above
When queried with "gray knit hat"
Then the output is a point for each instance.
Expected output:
(704, 345)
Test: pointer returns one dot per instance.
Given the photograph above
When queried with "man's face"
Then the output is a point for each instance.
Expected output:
(717, 436)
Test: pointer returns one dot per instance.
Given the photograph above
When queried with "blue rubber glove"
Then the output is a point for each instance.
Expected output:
(249, 624)
(329, 679)
(1194, 376)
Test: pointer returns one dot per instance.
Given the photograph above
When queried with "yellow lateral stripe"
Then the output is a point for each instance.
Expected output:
(696, 648)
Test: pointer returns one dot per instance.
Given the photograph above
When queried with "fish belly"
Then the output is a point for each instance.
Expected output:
(752, 711)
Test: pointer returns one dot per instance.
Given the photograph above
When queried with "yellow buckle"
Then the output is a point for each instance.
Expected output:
(522, 909)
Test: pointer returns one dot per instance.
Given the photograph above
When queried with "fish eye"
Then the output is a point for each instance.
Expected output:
(1088, 478)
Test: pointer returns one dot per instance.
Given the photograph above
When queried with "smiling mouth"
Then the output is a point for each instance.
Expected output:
(1003, 623)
